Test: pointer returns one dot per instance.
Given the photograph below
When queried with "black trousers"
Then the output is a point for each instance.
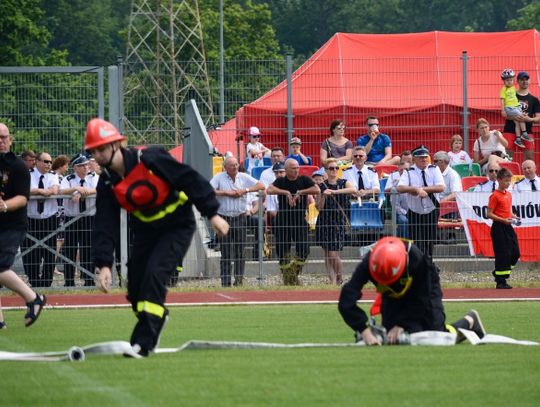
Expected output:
(154, 257)
(287, 232)
(232, 250)
(506, 248)
(423, 230)
(78, 235)
(39, 228)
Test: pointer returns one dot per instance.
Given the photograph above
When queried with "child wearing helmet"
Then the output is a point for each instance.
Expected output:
(409, 284)
(511, 108)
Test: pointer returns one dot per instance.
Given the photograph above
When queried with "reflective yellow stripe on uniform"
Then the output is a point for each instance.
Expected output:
(151, 308)
(503, 273)
(450, 329)
(381, 288)
(182, 199)
(179, 269)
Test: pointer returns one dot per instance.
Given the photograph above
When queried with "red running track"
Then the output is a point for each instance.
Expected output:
(268, 297)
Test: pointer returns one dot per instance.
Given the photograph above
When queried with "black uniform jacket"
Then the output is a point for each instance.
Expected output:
(419, 309)
(180, 177)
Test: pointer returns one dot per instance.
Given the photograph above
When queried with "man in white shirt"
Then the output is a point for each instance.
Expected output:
(531, 182)
(491, 184)
(364, 179)
(268, 176)
(399, 201)
(42, 221)
(80, 211)
(452, 180)
(423, 182)
(232, 188)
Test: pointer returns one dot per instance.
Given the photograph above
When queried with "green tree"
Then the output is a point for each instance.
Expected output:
(91, 31)
(529, 17)
(25, 38)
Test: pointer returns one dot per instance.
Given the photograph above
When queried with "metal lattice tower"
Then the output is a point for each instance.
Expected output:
(164, 68)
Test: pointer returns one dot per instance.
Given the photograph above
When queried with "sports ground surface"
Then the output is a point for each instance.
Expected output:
(270, 297)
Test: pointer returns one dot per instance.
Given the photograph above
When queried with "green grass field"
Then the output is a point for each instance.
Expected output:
(463, 375)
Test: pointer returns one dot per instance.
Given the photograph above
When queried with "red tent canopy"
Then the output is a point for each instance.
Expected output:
(412, 82)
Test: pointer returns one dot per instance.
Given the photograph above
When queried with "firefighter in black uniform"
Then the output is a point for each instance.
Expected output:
(411, 293)
(158, 192)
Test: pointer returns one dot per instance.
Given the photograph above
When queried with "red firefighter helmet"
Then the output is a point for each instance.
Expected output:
(387, 260)
(100, 132)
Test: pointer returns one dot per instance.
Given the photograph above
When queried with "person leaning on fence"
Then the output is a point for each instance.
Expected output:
(503, 236)
(411, 294)
(364, 179)
(423, 182)
(530, 181)
(232, 189)
(333, 206)
(290, 224)
(491, 184)
(14, 194)
(42, 223)
(158, 192)
(80, 210)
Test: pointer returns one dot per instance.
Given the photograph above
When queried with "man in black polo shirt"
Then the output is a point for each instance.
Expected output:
(290, 224)
(530, 105)
(14, 193)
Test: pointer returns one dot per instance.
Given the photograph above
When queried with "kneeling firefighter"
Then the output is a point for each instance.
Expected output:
(158, 192)
(409, 284)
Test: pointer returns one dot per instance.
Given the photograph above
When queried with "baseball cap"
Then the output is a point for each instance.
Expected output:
(279, 166)
(79, 159)
(254, 131)
(296, 140)
(420, 151)
(320, 172)
(523, 74)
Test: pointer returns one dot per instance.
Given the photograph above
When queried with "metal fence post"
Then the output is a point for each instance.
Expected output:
(101, 93)
(289, 102)
(465, 112)
(114, 96)
(260, 238)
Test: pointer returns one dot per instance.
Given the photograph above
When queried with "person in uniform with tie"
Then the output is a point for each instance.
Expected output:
(491, 184)
(42, 223)
(531, 182)
(423, 183)
(80, 210)
(364, 178)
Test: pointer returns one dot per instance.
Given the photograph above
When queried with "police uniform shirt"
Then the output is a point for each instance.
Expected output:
(369, 177)
(229, 206)
(413, 177)
(525, 184)
(50, 207)
(399, 200)
(452, 182)
(486, 186)
(71, 208)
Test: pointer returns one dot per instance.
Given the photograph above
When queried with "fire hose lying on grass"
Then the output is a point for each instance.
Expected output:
(426, 338)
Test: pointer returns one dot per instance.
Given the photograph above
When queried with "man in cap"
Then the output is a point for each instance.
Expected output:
(79, 210)
(411, 294)
(158, 192)
(14, 194)
(530, 105)
(423, 182)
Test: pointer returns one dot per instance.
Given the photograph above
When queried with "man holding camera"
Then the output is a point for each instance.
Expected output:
(377, 145)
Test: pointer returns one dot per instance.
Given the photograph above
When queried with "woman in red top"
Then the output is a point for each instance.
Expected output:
(503, 236)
